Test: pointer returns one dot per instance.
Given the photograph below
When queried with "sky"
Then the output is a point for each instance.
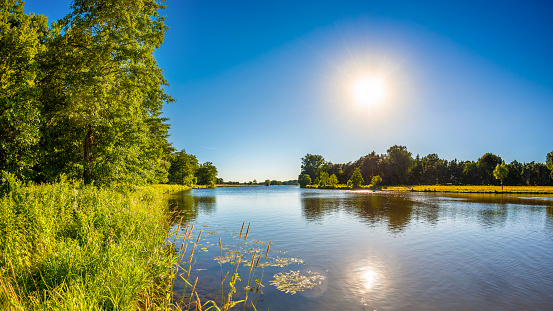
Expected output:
(259, 84)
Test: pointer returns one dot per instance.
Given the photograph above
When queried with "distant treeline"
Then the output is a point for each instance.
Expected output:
(398, 167)
(82, 98)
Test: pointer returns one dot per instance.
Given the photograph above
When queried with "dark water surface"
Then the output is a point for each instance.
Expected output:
(385, 250)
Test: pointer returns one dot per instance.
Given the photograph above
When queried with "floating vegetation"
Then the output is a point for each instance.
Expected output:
(240, 252)
(281, 262)
(293, 281)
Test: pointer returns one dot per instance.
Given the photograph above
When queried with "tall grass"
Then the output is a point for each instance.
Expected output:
(71, 247)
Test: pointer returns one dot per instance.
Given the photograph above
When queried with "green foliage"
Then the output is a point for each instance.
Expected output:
(84, 248)
(398, 161)
(20, 42)
(311, 165)
(549, 162)
(183, 169)
(304, 180)
(267, 182)
(486, 165)
(501, 172)
(207, 174)
(397, 167)
(356, 179)
(8, 183)
(333, 181)
(376, 180)
(102, 95)
(323, 179)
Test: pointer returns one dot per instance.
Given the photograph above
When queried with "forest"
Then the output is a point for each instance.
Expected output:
(83, 97)
(398, 167)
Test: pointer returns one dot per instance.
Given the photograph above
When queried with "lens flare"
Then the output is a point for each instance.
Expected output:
(369, 91)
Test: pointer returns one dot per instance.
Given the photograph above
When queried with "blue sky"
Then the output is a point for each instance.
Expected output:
(259, 84)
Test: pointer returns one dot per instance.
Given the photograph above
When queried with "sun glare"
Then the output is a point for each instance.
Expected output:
(369, 278)
(369, 91)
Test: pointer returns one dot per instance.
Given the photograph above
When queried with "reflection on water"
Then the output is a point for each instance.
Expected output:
(187, 206)
(370, 208)
(391, 250)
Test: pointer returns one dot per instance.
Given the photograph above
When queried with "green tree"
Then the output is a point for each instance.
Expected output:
(21, 40)
(356, 179)
(267, 182)
(398, 161)
(501, 172)
(207, 174)
(549, 163)
(333, 181)
(311, 165)
(376, 180)
(323, 179)
(304, 180)
(103, 94)
(183, 168)
(486, 165)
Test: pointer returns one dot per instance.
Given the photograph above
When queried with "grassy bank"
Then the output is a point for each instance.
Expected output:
(65, 247)
(476, 189)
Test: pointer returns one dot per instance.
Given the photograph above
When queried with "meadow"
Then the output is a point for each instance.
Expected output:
(65, 246)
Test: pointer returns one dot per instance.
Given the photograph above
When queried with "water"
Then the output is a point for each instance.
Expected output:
(386, 250)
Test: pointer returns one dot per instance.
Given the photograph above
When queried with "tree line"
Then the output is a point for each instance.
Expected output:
(83, 97)
(398, 167)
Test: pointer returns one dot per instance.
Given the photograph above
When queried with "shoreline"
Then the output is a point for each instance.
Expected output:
(454, 189)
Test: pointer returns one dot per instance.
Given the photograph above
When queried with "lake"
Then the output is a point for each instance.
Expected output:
(382, 250)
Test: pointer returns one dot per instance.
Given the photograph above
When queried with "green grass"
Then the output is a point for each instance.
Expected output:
(70, 247)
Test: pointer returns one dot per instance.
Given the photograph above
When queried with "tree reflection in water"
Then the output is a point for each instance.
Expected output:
(188, 206)
(396, 210)
(374, 209)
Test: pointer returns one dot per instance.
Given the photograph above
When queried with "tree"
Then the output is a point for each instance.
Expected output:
(103, 93)
(356, 179)
(304, 180)
(398, 162)
(207, 174)
(311, 165)
(501, 172)
(21, 40)
(485, 165)
(333, 181)
(376, 180)
(549, 163)
(183, 168)
(267, 182)
(323, 179)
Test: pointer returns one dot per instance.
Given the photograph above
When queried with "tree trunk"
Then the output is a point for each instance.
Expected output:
(88, 140)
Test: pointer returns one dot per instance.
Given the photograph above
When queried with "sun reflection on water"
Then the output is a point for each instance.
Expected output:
(369, 278)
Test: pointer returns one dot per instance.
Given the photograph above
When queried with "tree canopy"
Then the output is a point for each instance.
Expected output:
(83, 98)
(397, 166)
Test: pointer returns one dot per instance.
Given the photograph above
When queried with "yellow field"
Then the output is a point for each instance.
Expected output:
(475, 189)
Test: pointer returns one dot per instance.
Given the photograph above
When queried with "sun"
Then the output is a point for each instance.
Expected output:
(369, 91)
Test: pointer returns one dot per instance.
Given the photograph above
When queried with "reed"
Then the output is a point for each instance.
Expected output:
(70, 247)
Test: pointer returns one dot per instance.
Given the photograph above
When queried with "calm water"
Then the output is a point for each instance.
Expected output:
(386, 251)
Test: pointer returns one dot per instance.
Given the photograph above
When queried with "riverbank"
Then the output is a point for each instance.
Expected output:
(475, 189)
(450, 188)
(68, 247)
